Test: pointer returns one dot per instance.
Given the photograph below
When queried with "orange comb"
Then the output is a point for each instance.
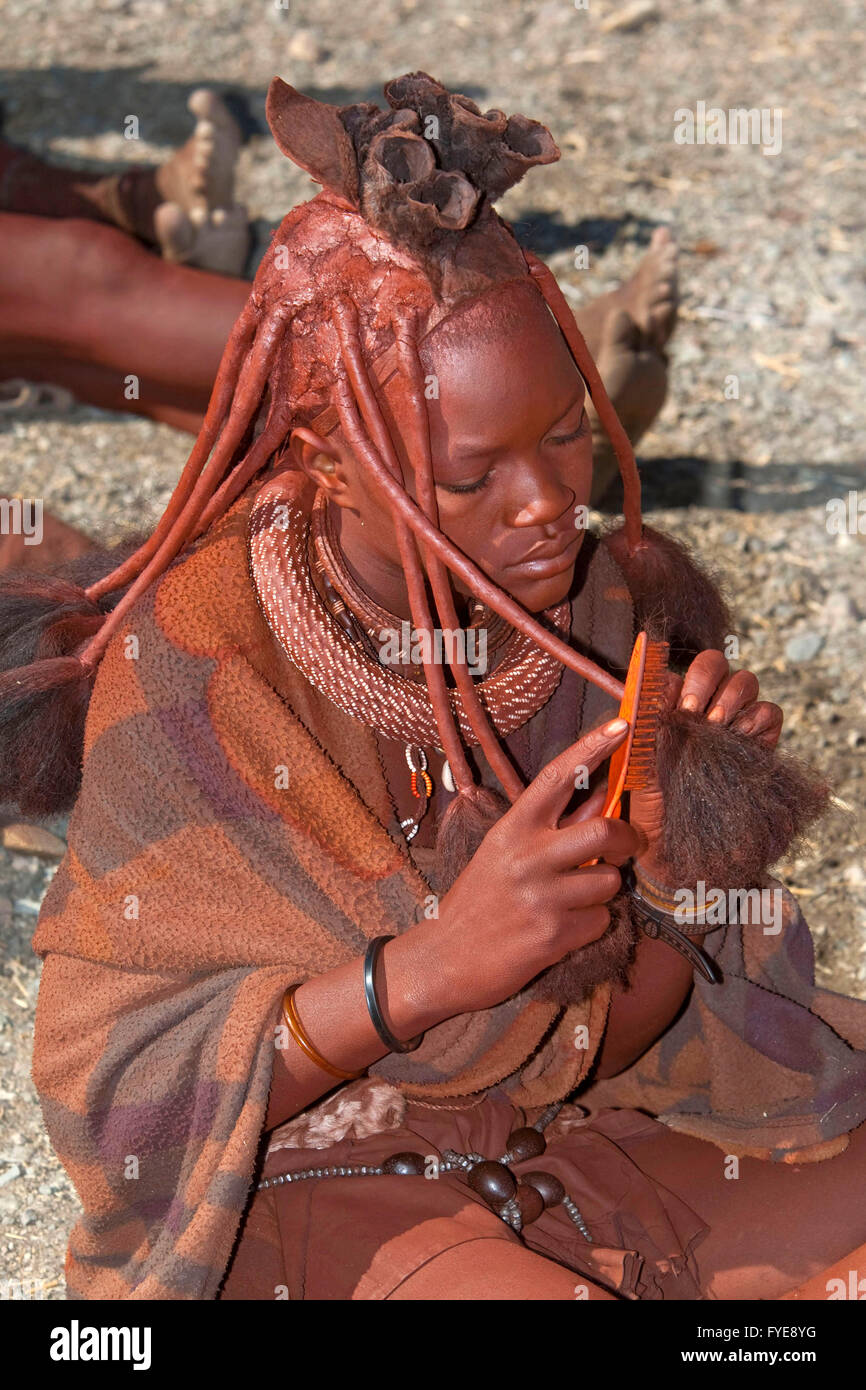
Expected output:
(632, 766)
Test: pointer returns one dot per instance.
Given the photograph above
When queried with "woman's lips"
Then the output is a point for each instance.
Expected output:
(545, 565)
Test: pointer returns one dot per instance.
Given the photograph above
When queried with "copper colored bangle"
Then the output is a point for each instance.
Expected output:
(296, 1029)
(659, 895)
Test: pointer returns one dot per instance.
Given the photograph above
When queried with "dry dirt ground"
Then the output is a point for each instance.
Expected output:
(773, 297)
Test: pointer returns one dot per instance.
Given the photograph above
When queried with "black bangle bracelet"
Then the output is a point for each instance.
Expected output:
(370, 960)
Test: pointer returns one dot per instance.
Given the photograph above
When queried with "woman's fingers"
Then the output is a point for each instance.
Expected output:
(701, 680)
(734, 694)
(589, 887)
(614, 841)
(730, 698)
(587, 924)
(762, 720)
(548, 794)
(672, 688)
(593, 806)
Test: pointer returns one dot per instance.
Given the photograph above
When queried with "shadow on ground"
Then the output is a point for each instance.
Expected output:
(86, 103)
(732, 485)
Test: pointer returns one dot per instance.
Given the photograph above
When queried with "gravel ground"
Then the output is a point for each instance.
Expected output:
(773, 296)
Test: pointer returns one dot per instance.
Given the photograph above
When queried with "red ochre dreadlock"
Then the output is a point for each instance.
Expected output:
(402, 233)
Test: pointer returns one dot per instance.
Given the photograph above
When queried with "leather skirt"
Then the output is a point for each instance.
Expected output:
(361, 1237)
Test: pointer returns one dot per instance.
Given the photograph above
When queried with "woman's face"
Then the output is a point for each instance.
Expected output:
(512, 450)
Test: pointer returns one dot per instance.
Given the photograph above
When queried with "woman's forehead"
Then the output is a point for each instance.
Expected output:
(513, 307)
(506, 363)
(490, 395)
(495, 352)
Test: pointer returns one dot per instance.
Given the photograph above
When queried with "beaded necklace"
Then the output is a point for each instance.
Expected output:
(330, 629)
(330, 564)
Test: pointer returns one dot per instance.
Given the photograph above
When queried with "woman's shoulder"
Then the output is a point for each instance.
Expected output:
(205, 603)
(200, 612)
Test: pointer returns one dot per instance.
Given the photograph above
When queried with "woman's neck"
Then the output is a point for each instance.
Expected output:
(378, 576)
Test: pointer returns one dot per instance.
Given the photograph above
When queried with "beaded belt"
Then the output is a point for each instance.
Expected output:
(517, 1200)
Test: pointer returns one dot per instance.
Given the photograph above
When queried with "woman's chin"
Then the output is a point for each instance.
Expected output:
(541, 584)
(535, 595)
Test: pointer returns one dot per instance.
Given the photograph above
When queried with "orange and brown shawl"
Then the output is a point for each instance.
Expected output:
(234, 834)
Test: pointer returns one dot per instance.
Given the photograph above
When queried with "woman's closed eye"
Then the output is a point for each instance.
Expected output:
(570, 438)
(467, 487)
(558, 439)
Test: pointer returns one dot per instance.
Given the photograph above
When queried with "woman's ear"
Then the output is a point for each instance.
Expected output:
(320, 460)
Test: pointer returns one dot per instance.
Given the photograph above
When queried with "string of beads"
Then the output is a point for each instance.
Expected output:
(517, 1200)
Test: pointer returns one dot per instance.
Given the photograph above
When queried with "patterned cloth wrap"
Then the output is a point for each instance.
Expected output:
(235, 834)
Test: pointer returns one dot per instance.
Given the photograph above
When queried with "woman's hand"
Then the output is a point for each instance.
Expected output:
(523, 901)
(708, 688)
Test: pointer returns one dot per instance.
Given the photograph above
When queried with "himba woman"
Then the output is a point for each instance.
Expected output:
(349, 989)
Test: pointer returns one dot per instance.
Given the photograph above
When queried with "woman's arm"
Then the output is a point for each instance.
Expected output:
(517, 908)
(661, 979)
(334, 1016)
(660, 982)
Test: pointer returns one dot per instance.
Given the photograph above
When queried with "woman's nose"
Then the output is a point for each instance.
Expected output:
(540, 498)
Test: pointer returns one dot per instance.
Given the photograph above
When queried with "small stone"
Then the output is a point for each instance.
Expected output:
(630, 18)
(29, 1217)
(838, 610)
(28, 907)
(11, 1175)
(24, 863)
(32, 839)
(305, 48)
(804, 647)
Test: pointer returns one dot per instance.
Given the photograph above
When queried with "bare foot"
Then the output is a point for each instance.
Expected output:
(201, 173)
(636, 379)
(650, 296)
(198, 222)
(218, 241)
(627, 331)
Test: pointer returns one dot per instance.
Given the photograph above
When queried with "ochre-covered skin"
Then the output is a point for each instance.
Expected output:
(155, 1032)
(369, 292)
(398, 272)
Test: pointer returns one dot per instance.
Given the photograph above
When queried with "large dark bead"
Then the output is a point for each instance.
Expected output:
(405, 1163)
(551, 1189)
(525, 1143)
(493, 1182)
(530, 1202)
